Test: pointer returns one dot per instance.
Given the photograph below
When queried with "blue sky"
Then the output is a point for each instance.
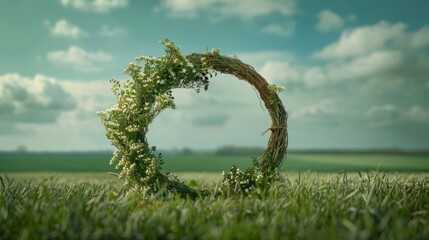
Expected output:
(356, 73)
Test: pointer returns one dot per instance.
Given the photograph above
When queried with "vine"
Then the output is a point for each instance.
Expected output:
(149, 91)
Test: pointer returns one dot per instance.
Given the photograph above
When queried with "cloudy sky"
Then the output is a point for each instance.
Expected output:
(356, 73)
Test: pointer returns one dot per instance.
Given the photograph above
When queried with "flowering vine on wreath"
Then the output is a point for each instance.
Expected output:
(149, 92)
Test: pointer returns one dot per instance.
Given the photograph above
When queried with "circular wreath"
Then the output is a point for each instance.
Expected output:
(149, 92)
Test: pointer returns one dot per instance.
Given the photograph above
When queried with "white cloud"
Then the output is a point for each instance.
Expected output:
(91, 96)
(384, 108)
(280, 72)
(229, 8)
(417, 114)
(371, 65)
(389, 114)
(363, 40)
(275, 66)
(329, 21)
(314, 76)
(382, 115)
(285, 30)
(100, 6)
(419, 39)
(321, 108)
(75, 122)
(381, 51)
(394, 57)
(65, 29)
(108, 31)
(32, 100)
(379, 64)
(186, 8)
(79, 58)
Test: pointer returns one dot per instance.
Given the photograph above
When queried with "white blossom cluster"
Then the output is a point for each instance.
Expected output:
(275, 89)
(251, 180)
(140, 100)
(145, 96)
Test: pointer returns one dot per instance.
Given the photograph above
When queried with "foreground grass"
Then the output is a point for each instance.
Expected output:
(320, 206)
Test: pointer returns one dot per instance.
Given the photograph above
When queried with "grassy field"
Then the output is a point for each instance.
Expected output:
(304, 206)
(98, 162)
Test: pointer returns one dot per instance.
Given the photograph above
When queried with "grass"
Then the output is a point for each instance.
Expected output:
(373, 205)
(98, 162)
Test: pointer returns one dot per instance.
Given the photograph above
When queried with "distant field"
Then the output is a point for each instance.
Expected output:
(304, 162)
(58, 162)
(322, 162)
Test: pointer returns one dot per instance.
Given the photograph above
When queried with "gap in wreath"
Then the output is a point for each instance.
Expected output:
(228, 114)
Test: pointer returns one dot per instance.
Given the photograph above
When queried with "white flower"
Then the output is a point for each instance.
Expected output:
(276, 89)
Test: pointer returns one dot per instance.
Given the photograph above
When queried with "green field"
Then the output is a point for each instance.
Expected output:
(98, 162)
(303, 206)
(70, 196)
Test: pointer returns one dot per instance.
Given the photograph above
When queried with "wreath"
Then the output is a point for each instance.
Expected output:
(149, 91)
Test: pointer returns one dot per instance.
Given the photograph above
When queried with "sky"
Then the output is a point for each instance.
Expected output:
(356, 73)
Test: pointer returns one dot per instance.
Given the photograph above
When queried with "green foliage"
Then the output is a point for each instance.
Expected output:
(251, 180)
(302, 206)
(140, 100)
(145, 96)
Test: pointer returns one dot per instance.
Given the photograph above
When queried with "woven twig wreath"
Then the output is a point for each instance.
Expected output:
(148, 93)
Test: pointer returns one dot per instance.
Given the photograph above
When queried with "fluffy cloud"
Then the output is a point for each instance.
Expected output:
(328, 21)
(417, 114)
(91, 97)
(79, 58)
(286, 30)
(100, 6)
(381, 51)
(394, 55)
(108, 31)
(229, 8)
(322, 108)
(375, 64)
(280, 71)
(418, 39)
(65, 29)
(382, 115)
(364, 40)
(32, 100)
(390, 115)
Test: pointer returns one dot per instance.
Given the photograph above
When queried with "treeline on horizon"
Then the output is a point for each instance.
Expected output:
(242, 151)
